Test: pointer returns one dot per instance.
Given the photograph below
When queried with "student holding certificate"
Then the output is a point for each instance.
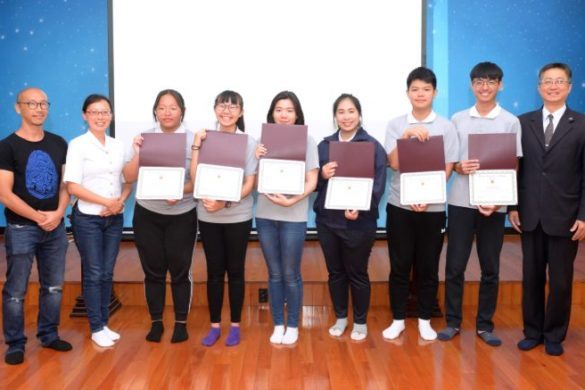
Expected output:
(347, 236)
(165, 230)
(225, 226)
(415, 232)
(93, 174)
(466, 221)
(281, 222)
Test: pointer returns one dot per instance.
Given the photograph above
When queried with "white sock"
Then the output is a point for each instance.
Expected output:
(339, 327)
(425, 330)
(277, 334)
(359, 332)
(115, 336)
(394, 330)
(101, 339)
(291, 336)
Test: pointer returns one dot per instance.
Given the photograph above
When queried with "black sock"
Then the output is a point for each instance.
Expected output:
(13, 358)
(180, 332)
(156, 331)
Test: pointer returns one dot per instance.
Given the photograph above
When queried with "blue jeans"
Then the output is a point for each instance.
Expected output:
(98, 240)
(23, 243)
(282, 245)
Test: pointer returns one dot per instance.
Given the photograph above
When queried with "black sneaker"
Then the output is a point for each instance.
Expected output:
(59, 345)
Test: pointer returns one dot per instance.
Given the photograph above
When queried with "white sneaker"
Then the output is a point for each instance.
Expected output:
(101, 339)
(425, 330)
(291, 336)
(277, 335)
(111, 334)
(394, 330)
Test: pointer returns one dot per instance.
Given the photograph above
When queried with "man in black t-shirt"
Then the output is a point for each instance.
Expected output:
(31, 189)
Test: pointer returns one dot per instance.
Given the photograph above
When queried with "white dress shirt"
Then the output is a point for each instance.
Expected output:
(96, 167)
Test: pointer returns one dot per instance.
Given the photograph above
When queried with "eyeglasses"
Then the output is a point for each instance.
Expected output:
(99, 113)
(34, 105)
(482, 82)
(229, 107)
(550, 82)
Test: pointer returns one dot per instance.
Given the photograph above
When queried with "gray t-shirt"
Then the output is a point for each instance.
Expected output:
(238, 211)
(468, 122)
(298, 212)
(435, 125)
(187, 203)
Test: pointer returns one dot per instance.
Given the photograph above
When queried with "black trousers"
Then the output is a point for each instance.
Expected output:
(414, 239)
(346, 255)
(166, 243)
(465, 224)
(539, 250)
(225, 247)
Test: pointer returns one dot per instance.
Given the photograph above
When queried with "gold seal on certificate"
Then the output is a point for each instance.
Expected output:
(160, 183)
(282, 169)
(161, 175)
(349, 193)
(351, 187)
(218, 182)
(423, 188)
(493, 187)
(422, 171)
(220, 166)
(495, 181)
(281, 176)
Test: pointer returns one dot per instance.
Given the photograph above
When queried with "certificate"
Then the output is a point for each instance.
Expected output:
(349, 193)
(423, 188)
(281, 177)
(218, 182)
(493, 187)
(160, 183)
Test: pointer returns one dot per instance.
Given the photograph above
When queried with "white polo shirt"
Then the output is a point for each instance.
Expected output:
(97, 167)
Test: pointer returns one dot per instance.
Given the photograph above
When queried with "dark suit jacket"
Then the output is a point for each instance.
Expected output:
(551, 182)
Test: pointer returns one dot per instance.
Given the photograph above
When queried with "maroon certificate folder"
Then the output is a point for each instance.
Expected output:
(354, 159)
(226, 149)
(285, 142)
(417, 156)
(163, 150)
(494, 151)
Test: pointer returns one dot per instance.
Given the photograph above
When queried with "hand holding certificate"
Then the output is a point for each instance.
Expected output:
(422, 171)
(351, 187)
(282, 170)
(162, 173)
(220, 166)
(495, 182)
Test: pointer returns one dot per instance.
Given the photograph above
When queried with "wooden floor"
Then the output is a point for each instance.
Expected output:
(128, 267)
(318, 361)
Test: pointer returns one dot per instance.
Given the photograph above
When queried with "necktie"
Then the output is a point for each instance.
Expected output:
(548, 132)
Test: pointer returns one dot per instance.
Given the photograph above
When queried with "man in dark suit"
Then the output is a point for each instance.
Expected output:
(551, 209)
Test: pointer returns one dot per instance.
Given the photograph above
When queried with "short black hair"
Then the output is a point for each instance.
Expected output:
(556, 65)
(423, 74)
(94, 98)
(286, 95)
(486, 70)
(176, 95)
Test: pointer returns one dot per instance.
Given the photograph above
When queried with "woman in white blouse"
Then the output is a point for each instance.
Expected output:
(93, 174)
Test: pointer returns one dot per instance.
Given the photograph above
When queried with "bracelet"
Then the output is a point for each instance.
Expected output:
(228, 204)
(195, 147)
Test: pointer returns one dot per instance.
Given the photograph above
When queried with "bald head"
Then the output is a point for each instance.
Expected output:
(31, 93)
(33, 107)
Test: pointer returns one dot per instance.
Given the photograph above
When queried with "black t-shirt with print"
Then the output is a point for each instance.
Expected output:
(37, 172)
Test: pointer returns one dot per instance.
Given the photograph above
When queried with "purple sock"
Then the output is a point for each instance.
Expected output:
(211, 337)
(234, 336)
